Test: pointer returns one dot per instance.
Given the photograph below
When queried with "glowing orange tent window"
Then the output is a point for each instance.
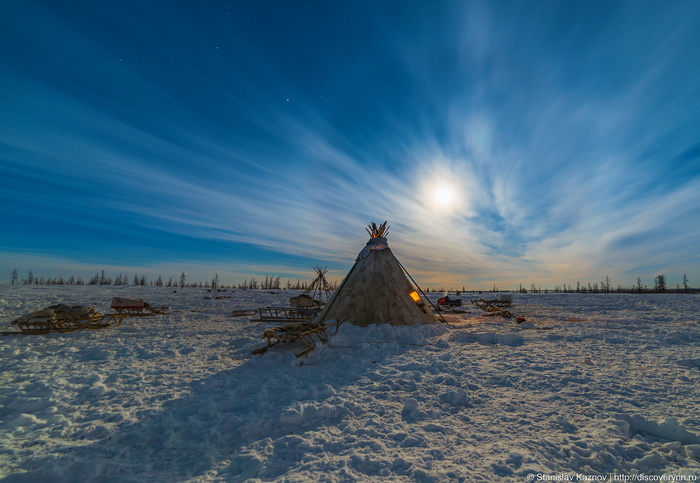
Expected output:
(415, 296)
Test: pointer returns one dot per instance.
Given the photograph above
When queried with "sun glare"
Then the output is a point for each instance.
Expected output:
(443, 196)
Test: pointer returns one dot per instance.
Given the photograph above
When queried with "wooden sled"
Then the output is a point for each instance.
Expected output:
(494, 308)
(290, 333)
(136, 307)
(494, 303)
(285, 314)
(65, 318)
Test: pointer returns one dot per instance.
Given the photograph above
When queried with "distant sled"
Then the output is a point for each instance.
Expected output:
(136, 307)
(496, 308)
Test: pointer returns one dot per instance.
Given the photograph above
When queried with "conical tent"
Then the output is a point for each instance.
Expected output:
(318, 293)
(376, 290)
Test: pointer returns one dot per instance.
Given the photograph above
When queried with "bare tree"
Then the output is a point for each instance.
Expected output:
(660, 283)
(685, 283)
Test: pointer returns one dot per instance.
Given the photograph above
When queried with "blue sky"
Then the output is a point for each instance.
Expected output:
(253, 138)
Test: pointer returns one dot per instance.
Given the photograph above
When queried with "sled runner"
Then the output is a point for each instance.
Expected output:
(244, 313)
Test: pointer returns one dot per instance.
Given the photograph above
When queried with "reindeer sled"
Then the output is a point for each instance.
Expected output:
(136, 307)
(65, 318)
(285, 314)
(292, 332)
(496, 308)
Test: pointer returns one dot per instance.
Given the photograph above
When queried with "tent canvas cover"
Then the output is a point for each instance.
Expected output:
(376, 290)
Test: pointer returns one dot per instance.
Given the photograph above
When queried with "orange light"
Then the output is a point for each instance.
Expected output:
(415, 296)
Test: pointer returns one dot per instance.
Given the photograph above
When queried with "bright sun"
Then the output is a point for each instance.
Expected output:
(443, 196)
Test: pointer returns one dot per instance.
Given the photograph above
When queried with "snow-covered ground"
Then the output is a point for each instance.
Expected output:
(594, 384)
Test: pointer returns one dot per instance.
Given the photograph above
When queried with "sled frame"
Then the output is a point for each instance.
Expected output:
(293, 332)
(284, 314)
(141, 311)
(93, 321)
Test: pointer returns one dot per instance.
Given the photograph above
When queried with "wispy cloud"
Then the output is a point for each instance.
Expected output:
(567, 138)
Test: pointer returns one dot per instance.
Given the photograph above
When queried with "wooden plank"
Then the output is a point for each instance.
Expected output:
(262, 350)
(305, 350)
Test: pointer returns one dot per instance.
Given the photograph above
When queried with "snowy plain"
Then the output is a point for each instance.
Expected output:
(592, 384)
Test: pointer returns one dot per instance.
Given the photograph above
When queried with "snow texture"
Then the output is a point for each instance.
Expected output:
(594, 384)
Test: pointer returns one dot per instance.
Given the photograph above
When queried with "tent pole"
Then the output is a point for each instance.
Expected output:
(330, 302)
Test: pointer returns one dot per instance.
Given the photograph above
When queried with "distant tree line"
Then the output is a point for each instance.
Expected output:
(121, 279)
(270, 283)
(273, 283)
(660, 286)
(605, 286)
